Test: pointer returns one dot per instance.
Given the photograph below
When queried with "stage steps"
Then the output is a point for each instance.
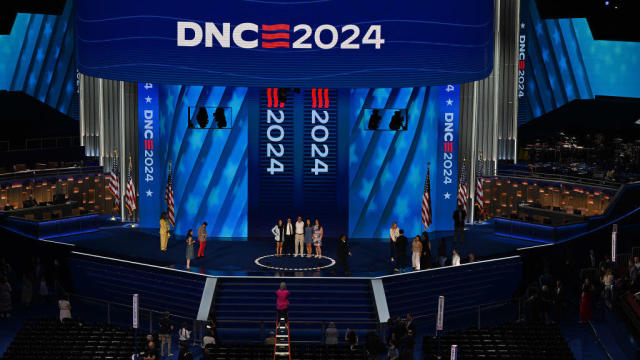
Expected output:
(116, 281)
(245, 306)
(464, 288)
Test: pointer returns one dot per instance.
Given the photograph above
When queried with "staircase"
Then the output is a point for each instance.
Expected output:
(244, 306)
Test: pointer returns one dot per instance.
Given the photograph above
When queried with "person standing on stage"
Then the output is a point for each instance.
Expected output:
(318, 233)
(202, 238)
(425, 260)
(416, 251)
(401, 251)
(165, 226)
(459, 218)
(299, 237)
(288, 237)
(278, 232)
(343, 254)
(308, 236)
(393, 235)
(189, 253)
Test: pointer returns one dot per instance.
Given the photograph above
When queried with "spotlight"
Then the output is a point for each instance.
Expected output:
(219, 117)
(282, 94)
(374, 119)
(397, 120)
(202, 117)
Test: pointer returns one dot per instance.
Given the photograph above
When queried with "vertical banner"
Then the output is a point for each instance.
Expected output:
(454, 352)
(445, 194)
(298, 170)
(440, 319)
(614, 240)
(149, 168)
(135, 311)
(273, 196)
(321, 180)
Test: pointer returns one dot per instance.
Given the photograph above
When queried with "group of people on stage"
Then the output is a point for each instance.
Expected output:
(165, 226)
(298, 235)
(420, 249)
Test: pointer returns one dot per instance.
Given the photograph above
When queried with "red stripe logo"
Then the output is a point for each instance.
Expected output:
(148, 144)
(279, 32)
(272, 98)
(521, 65)
(320, 98)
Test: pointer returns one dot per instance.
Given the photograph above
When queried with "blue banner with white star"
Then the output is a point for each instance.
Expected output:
(150, 175)
(446, 179)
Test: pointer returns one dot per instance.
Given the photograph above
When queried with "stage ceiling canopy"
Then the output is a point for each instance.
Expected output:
(286, 43)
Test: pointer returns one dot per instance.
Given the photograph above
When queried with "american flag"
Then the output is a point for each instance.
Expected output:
(114, 182)
(168, 197)
(463, 188)
(130, 195)
(479, 188)
(426, 201)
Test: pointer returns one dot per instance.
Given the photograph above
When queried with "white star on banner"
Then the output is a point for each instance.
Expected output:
(447, 195)
(147, 99)
(149, 193)
(449, 102)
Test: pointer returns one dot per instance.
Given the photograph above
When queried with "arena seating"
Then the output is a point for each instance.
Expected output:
(298, 352)
(508, 341)
(46, 339)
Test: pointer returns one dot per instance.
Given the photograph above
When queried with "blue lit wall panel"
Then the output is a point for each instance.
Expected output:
(564, 63)
(209, 166)
(37, 57)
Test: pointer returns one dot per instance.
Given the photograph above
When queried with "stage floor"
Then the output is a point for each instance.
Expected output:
(236, 257)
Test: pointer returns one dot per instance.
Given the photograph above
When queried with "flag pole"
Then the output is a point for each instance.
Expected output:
(426, 227)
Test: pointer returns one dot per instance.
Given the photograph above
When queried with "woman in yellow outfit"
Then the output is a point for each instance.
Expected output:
(165, 226)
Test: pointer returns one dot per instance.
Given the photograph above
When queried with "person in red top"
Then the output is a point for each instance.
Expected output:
(282, 304)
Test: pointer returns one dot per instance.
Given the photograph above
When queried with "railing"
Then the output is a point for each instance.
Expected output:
(143, 315)
(574, 180)
(146, 316)
(50, 173)
(476, 312)
(51, 142)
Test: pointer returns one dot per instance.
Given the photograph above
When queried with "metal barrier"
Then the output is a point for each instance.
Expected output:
(573, 180)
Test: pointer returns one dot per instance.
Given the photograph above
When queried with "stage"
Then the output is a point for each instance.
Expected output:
(237, 256)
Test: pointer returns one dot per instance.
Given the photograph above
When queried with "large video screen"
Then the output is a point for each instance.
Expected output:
(306, 152)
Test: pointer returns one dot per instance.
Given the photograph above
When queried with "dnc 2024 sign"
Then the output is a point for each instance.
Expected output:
(267, 43)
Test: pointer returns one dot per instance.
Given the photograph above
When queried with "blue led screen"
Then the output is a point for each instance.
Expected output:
(37, 57)
(564, 63)
(384, 172)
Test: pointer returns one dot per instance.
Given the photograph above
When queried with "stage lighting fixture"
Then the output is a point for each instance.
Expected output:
(374, 119)
(397, 120)
(282, 95)
(202, 117)
(219, 117)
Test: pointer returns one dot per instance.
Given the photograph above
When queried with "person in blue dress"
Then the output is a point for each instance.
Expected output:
(308, 236)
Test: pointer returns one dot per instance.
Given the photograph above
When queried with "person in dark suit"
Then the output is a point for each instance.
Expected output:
(425, 259)
(560, 300)
(343, 254)
(289, 233)
(401, 251)
(592, 261)
(459, 218)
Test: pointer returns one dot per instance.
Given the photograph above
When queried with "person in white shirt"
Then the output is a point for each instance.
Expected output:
(65, 308)
(278, 232)
(394, 232)
(455, 259)
(299, 237)
(288, 236)
(183, 333)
